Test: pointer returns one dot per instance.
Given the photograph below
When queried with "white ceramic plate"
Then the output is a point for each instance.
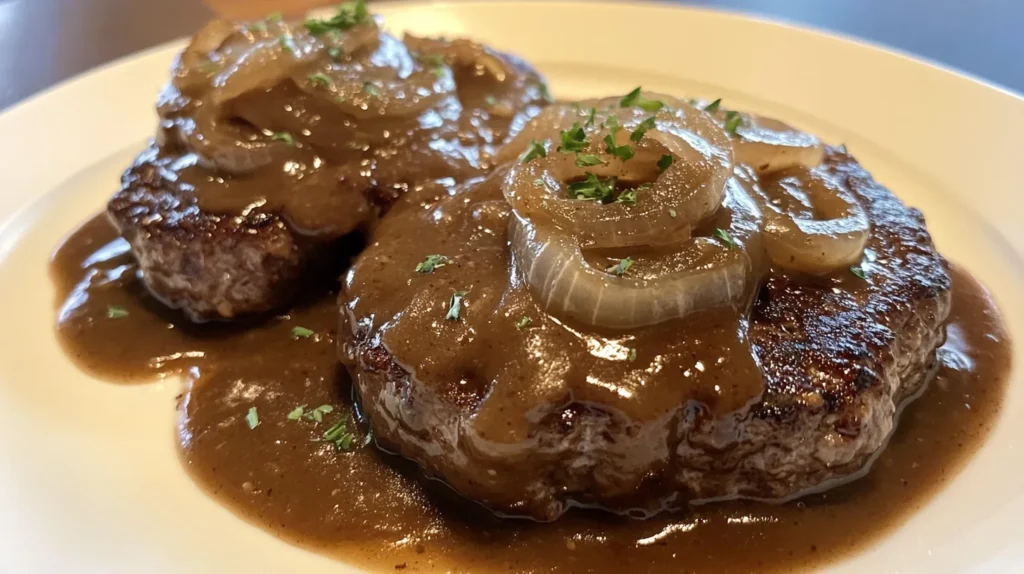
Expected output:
(89, 476)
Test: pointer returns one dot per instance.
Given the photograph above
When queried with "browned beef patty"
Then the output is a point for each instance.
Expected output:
(529, 414)
(269, 153)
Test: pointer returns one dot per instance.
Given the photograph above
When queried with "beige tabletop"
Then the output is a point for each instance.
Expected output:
(45, 41)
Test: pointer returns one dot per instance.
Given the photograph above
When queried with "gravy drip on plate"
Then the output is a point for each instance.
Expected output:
(373, 510)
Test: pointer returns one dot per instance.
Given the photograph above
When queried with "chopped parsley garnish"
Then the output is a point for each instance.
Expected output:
(275, 17)
(318, 413)
(491, 101)
(349, 15)
(612, 123)
(632, 355)
(858, 271)
(590, 117)
(455, 305)
(116, 312)
(593, 188)
(665, 162)
(302, 332)
(288, 43)
(638, 133)
(339, 435)
(621, 267)
(371, 89)
(435, 61)
(635, 99)
(535, 150)
(672, 212)
(523, 322)
(320, 80)
(627, 197)
(252, 418)
(733, 120)
(587, 160)
(257, 27)
(623, 152)
(315, 415)
(713, 106)
(283, 137)
(723, 236)
(430, 263)
(574, 139)
(545, 92)
(335, 53)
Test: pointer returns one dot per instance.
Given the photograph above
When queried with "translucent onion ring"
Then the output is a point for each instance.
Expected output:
(718, 275)
(231, 149)
(769, 145)
(833, 239)
(688, 191)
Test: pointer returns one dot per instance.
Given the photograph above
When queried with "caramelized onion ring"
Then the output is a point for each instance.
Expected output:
(769, 145)
(688, 191)
(827, 232)
(714, 275)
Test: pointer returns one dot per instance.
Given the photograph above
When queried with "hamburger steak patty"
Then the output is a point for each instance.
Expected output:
(529, 415)
(268, 155)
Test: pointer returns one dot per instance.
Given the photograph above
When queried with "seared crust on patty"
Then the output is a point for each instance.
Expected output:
(838, 355)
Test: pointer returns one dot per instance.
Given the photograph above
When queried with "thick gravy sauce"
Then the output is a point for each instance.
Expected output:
(344, 497)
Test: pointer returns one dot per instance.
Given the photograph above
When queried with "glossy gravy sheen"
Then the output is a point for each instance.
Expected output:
(373, 510)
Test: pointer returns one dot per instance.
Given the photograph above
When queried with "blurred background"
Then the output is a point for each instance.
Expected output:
(45, 41)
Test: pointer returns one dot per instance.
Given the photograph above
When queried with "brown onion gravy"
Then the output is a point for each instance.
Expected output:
(373, 510)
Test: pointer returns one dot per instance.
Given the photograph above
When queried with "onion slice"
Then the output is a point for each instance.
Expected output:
(715, 274)
(769, 145)
(666, 207)
(812, 222)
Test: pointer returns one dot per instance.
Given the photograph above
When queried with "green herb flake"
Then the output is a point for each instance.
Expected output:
(859, 272)
(545, 93)
(672, 212)
(455, 305)
(252, 418)
(590, 118)
(288, 43)
(349, 14)
(733, 120)
(638, 133)
(623, 152)
(371, 89)
(491, 101)
(713, 106)
(275, 17)
(588, 160)
(593, 188)
(116, 312)
(523, 322)
(296, 413)
(627, 197)
(320, 80)
(723, 236)
(536, 149)
(335, 53)
(283, 137)
(632, 355)
(665, 162)
(302, 332)
(573, 139)
(430, 263)
(318, 413)
(634, 98)
(621, 267)
(257, 27)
